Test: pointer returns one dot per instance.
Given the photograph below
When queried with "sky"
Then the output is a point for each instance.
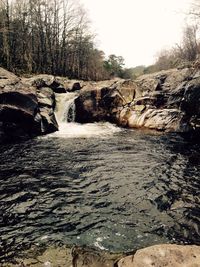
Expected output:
(137, 29)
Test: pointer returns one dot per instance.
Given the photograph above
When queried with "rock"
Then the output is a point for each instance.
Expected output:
(163, 101)
(127, 89)
(59, 90)
(105, 103)
(191, 98)
(44, 80)
(169, 101)
(76, 86)
(163, 256)
(7, 78)
(166, 80)
(41, 80)
(48, 122)
(87, 107)
(51, 257)
(46, 104)
(24, 111)
(157, 119)
(46, 97)
(18, 111)
(86, 257)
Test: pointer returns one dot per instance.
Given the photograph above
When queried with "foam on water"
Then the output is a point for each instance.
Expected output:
(65, 114)
(88, 130)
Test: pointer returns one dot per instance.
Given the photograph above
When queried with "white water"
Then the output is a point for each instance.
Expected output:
(65, 110)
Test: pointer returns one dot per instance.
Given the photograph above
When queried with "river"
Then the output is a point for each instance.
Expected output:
(98, 185)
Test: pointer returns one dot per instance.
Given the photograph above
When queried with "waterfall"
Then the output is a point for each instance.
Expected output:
(65, 107)
(65, 115)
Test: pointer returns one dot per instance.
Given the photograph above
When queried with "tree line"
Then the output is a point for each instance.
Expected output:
(187, 52)
(53, 37)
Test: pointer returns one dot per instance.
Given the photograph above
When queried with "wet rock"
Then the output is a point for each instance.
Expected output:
(86, 257)
(163, 256)
(48, 120)
(59, 90)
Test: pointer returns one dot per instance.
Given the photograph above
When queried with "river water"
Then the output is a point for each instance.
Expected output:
(100, 186)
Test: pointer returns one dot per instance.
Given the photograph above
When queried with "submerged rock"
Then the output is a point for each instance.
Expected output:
(163, 256)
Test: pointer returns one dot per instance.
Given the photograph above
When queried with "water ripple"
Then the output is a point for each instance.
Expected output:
(122, 192)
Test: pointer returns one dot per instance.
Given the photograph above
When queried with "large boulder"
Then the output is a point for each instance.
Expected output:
(24, 111)
(19, 113)
(47, 103)
(168, 101)
(105, 103)
(163, 256)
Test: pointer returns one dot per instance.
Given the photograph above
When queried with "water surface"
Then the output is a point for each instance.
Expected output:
(100, 186)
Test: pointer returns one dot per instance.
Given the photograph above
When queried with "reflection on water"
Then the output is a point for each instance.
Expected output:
(119, 191)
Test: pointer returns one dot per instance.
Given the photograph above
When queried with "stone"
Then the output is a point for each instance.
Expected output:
(104, 103)
(162, 120)
(163, 256)
(191, 98)
(87, 257)
(7, 78)
(18, 110)
(41, 80)
(45, 80)
(127, 89)
(24, 111)
(59, 90)
(46, 97)
(48, 120)
(76, 86)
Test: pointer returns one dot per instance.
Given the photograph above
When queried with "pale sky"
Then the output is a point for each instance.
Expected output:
(136, 29)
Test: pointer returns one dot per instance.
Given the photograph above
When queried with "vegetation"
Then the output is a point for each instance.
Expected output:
(187, 53)
(52, 36)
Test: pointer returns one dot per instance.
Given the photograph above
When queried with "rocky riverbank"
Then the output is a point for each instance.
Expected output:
(165, 255)
(165, 101)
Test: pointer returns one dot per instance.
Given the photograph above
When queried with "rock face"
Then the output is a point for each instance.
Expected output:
(25, 110)
(163, 101)
(163, 256)
(106, 103)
